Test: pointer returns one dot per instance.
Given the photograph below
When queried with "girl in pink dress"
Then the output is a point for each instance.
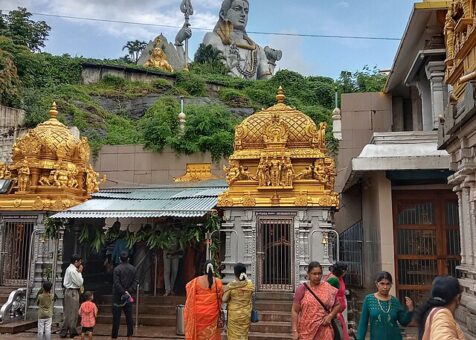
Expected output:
(336, 279)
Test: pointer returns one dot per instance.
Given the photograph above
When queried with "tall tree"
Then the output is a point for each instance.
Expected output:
(210, 59)
(366, 80)
(134, 48)
(22, 30)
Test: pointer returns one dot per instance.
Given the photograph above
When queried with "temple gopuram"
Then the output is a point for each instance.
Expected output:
(279, 205)
(49, 172)
(457, 135)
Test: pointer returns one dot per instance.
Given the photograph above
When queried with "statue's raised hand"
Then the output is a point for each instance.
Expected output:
(184, 33)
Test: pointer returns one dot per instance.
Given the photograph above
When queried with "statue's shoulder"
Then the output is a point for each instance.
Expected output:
(211, 38)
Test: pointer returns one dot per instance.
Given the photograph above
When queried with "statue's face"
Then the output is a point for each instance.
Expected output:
(238, 14)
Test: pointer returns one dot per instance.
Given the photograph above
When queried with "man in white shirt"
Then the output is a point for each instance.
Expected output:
(72, 282)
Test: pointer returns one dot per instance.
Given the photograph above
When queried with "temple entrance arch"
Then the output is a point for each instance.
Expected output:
(275, 259)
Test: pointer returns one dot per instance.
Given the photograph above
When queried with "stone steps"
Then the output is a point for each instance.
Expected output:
(160, 312)
(17, 326)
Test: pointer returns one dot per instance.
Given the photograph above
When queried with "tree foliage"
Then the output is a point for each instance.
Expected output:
(209, 59)
(22, 30)
(366, 80)
(134, 49)
(9, 80)
(208, 128)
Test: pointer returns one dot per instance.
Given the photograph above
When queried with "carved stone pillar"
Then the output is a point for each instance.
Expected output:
(466, 224)
(423, 87)
(228, 228)
(459, 193)
(469, 184)
(435, 71)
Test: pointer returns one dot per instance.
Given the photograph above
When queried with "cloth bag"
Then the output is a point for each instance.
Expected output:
(254, 311)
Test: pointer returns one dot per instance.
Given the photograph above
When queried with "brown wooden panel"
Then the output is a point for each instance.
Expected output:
(426, 234)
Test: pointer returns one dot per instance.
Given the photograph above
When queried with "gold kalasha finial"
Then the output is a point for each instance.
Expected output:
(53, 111)
(280, 97)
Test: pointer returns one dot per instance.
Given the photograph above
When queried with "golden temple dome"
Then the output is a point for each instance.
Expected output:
(280, 160)
(50, 169)
(301, 130)
(51, 140)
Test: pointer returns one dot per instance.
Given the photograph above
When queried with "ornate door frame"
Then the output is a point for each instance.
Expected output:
(275, 253)
(15, 241)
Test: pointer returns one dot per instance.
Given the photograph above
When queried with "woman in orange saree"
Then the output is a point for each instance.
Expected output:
(202, 307)
(309, 319)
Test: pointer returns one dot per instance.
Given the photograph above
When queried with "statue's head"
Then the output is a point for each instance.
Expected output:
(236, 12)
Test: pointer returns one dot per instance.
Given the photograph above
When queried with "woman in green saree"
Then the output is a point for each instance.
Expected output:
(238, 294)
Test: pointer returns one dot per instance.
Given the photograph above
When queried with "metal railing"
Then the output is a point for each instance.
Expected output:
(329, 243)
(137, 306)
(351, 241)
(27, 291)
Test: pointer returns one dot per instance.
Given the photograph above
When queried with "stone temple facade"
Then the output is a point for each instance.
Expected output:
(457, 135)
(278, 210)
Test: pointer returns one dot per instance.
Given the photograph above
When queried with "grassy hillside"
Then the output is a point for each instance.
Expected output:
(103, 111)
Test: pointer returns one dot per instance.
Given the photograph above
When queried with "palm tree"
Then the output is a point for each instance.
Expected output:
(208, 54)
(134, 48)
(210, 59)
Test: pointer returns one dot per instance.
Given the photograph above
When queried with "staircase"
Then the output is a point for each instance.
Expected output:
(157, 315)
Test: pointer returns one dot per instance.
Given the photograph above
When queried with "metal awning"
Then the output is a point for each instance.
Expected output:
(169, 201)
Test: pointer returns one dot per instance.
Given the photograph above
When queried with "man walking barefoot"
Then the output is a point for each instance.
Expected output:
(72, 282)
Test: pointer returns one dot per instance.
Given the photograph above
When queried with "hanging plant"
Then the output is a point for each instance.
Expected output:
(93, 236)
(53, 226)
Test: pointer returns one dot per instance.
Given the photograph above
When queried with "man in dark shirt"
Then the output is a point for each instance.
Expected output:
(124, 287)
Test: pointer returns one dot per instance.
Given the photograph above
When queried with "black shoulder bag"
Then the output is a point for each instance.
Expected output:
(336, 326)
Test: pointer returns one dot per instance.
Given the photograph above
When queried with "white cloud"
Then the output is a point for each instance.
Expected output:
(293, 52)
(343, 4)
(156, 12)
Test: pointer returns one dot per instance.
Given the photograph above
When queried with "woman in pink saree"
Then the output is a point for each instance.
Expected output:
(310, 320)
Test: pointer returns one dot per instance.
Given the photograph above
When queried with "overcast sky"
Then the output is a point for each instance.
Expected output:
(310, 56)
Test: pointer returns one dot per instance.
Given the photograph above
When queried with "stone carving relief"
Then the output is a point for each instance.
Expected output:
(235, 172)
(275, 172)
(23, 177)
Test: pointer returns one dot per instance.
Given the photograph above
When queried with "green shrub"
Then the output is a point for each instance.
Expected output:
(208, 128)
(162, 85)
(113, 81)
(193, 84)
(121, 130)
(234, 98)
(10, 84)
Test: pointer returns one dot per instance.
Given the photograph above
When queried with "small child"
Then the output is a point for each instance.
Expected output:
(45, 311)
(88, 313)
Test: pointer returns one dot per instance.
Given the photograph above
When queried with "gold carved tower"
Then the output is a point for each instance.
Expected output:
(280, 160)
(460, 40)
(50, 169)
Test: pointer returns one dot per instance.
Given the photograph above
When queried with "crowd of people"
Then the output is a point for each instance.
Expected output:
(317, 309)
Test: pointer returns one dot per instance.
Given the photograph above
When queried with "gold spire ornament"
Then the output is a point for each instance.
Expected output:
(280, 160)
(50, 169)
